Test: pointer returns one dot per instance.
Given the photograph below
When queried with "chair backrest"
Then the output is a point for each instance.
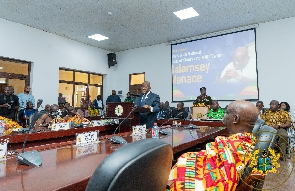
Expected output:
(142, 165)
(34, 118)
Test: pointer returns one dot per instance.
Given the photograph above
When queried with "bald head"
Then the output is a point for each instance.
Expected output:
(240, 117)
(145, 87)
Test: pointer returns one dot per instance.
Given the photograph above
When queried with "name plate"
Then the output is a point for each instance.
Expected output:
(3, 148)
(87, 149)
(137, 137)
(138, 129)
(95, 123)
(2, 168)
(87, 138)
(60, 126)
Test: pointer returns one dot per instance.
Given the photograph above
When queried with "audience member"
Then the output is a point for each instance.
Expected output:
(46, 108)
(98, 104)
(221, 165)
(203, 100)
(240, 69)
(215, 112)
(83, 112)
(46, 119)
(25, 97)
(61, 100)
(28, 112)
(113, 97)
(260, 107)
(164, 112)
(290, 131)
(179, 112)
(148, 100)
(280, 120)
(129, 98)
(8, 104)
(71, 112)
(92, 110)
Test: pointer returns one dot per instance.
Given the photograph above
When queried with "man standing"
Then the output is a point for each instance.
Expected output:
(280, 120)
(8, 104)
(113, 97)
(25, 97)
(98, 104)
(203, 100)
(179, 112)
(148, 100)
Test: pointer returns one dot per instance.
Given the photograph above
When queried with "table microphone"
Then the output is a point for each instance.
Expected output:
(30, 158)
(163, 132)
(119, 139)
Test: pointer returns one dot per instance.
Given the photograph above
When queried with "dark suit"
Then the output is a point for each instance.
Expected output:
(152, 100)
(180, 114)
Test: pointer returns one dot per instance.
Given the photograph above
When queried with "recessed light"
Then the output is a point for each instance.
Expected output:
(98, 37)
(186, 13)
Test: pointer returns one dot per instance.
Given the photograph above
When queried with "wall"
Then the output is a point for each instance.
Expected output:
(48, 52)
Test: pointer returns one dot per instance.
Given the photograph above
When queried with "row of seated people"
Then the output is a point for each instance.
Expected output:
(181, 112)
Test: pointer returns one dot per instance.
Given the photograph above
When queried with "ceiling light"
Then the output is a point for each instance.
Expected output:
(98, 37)
(1, 67)
(186, 13)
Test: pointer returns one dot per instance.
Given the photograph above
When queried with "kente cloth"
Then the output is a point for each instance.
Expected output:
(278, 117)
(218, 168)
(215, 114)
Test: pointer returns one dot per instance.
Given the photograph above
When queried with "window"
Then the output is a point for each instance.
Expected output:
(79, 87)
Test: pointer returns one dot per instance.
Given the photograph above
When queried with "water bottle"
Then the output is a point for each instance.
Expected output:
(2, 127)
(155, 131)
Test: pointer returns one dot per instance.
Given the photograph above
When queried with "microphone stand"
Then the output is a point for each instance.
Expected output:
(118, 139)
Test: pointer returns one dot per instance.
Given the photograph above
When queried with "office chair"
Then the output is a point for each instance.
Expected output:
(143, 165)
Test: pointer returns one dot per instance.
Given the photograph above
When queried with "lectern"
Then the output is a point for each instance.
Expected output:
(121, 110)
(199, 112)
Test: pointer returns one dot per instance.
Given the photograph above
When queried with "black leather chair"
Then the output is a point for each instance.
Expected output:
(143, 165)
(34, 118)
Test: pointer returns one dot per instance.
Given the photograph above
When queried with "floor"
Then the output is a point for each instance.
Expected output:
(283, 179)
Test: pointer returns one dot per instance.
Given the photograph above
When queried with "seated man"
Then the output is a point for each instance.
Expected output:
(46, 119)
(180, 112)
(28, 112)
(164, 112)
(83, 111)
(221, 165)
(280, 120)
(215, 112)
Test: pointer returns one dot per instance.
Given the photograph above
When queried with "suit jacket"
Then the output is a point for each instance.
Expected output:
(152, 100)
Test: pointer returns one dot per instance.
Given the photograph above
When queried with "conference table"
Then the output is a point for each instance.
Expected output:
(66, 166)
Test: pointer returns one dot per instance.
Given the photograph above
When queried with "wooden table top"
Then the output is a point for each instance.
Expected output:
(68, 167)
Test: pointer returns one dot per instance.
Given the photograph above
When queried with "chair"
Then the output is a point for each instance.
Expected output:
(142, 165)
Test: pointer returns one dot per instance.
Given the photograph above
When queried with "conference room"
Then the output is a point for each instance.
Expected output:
(52, 38)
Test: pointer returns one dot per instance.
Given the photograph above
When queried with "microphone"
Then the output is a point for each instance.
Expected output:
(163, 132)
(30, 158)
(191, 126)
(118, 139)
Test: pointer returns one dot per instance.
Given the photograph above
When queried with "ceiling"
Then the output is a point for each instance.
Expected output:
(131, 24)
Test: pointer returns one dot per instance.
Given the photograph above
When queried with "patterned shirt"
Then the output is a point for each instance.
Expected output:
(216, 114)
(219, 167)
(279, 117)
(93, 112)
(203, 101)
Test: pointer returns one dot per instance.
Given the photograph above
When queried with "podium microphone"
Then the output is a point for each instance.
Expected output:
(30, 158)
(163, 132)
(119, 139)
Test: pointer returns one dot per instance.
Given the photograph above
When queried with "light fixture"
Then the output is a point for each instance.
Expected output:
(98, 37)
(1, 68)
(186, 13)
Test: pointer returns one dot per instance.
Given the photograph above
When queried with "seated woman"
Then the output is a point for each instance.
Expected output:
(215, 112)
(74, 118)
(92, 110)
(220, 166)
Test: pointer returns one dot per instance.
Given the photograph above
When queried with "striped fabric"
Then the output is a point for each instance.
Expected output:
(219, 167)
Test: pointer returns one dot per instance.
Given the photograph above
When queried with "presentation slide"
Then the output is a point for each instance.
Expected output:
(225, 65)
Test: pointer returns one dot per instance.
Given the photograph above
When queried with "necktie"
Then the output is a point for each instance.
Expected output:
(142, 100)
